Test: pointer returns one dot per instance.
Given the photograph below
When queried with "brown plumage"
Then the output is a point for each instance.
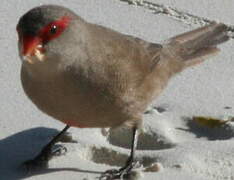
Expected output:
(92, 76)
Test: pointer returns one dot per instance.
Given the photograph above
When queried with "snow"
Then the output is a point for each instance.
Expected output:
(178, 147)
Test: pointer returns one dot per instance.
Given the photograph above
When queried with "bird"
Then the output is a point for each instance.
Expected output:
(90, 76)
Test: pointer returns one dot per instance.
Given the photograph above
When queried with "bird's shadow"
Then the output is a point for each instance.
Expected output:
(22, 146)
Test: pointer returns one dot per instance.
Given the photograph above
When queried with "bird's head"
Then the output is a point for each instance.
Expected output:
(40, 27)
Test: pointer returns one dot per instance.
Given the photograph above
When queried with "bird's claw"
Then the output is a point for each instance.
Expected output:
(121, 174)
(58, 151)
(114, 174)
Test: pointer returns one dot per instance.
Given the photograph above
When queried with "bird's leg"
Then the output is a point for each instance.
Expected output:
(41, 160)
(130, 162)
(124, 172)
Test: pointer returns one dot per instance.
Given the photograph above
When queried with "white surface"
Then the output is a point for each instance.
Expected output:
(185, 150)
(212, 9)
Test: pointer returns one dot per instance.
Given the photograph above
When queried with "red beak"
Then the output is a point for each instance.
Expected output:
(30, 43)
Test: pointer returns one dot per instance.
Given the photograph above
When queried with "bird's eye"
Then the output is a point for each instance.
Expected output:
(53, 29)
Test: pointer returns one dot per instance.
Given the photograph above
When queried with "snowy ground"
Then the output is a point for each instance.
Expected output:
(180, 147)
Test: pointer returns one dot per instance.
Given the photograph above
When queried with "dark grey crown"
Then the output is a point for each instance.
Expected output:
(31, 22)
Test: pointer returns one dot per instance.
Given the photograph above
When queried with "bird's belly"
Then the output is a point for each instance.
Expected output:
(71, 105)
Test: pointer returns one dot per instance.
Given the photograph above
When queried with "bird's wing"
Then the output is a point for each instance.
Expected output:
(123, 59)
(150, 50)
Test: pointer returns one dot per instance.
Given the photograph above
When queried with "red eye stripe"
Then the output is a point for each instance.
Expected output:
(45, 33)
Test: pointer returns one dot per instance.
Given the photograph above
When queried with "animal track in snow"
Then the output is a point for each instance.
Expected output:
(176, 14)
(117, 151)
(112, 157)
(148, 140)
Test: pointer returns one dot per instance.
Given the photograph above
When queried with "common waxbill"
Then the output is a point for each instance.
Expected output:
(86, 75)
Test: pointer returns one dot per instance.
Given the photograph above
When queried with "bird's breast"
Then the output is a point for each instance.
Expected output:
(69, 102)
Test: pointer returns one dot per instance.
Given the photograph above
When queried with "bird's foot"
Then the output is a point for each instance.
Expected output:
(42, 159)
(122, 173)
(59, 150)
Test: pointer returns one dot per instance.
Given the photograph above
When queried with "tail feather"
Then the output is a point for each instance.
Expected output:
(200, 56)
(200, 43)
